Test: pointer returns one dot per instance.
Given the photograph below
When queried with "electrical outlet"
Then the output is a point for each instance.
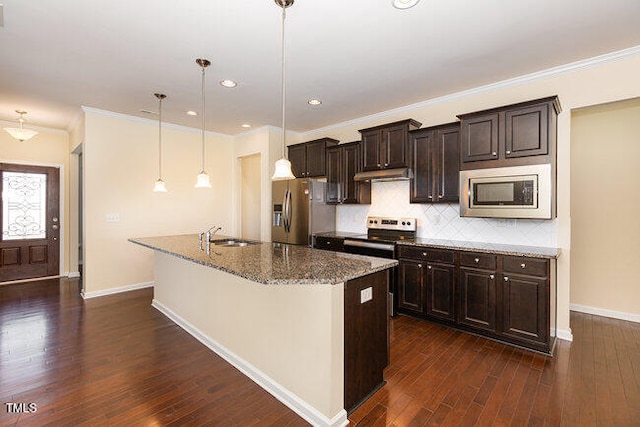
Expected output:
(366, 295)
(112, 217)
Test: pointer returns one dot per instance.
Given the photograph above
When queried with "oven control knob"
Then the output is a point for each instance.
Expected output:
(375, 221)
(404, 223)
(408, 222)
(370, 221)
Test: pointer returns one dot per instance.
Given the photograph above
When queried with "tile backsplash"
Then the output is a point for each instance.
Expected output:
(443, 221)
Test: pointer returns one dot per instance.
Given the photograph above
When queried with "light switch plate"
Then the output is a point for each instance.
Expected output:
(112, 217)
(366, 295)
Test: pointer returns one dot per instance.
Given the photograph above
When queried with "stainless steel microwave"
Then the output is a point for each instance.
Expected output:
(509, 192)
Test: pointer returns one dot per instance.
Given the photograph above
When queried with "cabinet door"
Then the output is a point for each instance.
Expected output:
(316, 155)
(524, 308)
(411, 286)
(447, 142)
(371, 150)
(479, 138)
(527, 131)
(394, 147)
(440, 291)
(422, 153)
(351, 165)
(478, 299)
(298, 159)
(334, 175)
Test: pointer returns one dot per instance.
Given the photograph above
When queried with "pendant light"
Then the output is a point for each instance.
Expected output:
(159, 186)
(21, 134)
(203, 178)
(283, 166)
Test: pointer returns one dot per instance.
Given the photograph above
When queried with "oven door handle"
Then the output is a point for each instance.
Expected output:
(372, 245)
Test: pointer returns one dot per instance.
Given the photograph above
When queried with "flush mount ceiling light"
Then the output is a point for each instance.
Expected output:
(246, 125)
(283, 166)
(404, 4)
(203, 178)
(228, 83)
(314, 102)
(191, 113)
(159, 186)
(21, 134)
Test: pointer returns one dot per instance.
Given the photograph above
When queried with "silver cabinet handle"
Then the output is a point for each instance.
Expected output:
(440, 196)
(523, 265)
(429, 267)
(506, 279)
(477, 260)
(54, 226)
(379, 165)
(430, 197)
(492, 276)
(386, 164)
(424, 254)
(494, 153)
(419, 265)
(508, 151)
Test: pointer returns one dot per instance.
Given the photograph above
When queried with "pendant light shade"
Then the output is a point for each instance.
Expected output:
(283, 166)
(203, 178)
(21, 134)
(159, 186)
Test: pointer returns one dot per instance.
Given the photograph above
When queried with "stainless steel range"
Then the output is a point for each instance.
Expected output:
(380, 241)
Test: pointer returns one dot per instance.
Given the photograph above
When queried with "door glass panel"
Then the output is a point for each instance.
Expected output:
(24, 205)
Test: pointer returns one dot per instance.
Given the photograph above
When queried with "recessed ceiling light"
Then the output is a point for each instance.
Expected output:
(246, 126)
(228, 83)
(192, 113)
(404, 4)
(314, 102)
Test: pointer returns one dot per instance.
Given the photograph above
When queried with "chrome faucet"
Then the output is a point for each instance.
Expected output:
(206, 236)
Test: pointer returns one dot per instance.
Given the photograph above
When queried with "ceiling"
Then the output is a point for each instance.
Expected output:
(359, 57)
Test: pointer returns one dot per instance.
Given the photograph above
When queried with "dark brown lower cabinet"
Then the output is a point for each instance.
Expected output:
(441, 291)
(508, 298)
(478, 298)
(411, 287)
(366, 337)
(525, 306)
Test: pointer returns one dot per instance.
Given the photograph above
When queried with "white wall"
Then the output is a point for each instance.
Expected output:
(251, 197)
(120, 167)
(605, 231)
(595, 81)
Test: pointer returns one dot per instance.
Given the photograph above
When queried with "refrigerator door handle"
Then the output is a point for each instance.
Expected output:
(288, 211)
(284, 210)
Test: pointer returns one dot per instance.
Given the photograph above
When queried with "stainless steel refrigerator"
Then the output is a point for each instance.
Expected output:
(299, 210)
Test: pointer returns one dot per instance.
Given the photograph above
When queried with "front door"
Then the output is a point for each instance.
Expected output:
(30, 220)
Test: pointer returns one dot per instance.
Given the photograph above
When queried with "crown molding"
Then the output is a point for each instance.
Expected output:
(515, 81)
(136, 119)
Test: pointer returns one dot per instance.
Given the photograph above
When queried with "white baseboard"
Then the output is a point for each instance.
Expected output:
(299, 406)
(631, 317)
(564, 334)
(110, 291)
(73, 274)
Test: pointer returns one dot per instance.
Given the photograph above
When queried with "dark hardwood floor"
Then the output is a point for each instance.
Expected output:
(115, 360)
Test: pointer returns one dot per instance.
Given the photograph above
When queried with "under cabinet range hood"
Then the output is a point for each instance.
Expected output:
(384, 175)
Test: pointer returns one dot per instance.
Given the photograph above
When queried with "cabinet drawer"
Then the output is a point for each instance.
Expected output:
(522, 265)
(478, 260)
(330, 244)
(426, 254)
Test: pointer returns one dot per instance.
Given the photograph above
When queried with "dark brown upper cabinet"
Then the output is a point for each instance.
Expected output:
(435, 154)
(387, 146)
(308, 160)
(513, 135)
(343, 162)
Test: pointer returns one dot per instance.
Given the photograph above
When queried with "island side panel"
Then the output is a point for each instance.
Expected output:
(291, 333)
(366, 334)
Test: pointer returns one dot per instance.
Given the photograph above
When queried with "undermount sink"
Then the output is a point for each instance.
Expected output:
(233, 242)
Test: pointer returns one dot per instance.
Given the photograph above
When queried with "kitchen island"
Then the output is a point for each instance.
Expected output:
(309, 326)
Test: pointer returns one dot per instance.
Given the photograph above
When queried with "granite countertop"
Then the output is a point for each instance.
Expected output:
(338, 234)
(270, 263)
(495, 248)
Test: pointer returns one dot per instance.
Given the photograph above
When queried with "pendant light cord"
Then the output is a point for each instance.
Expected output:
(284, 15)
(160, 139)
(203, 115)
